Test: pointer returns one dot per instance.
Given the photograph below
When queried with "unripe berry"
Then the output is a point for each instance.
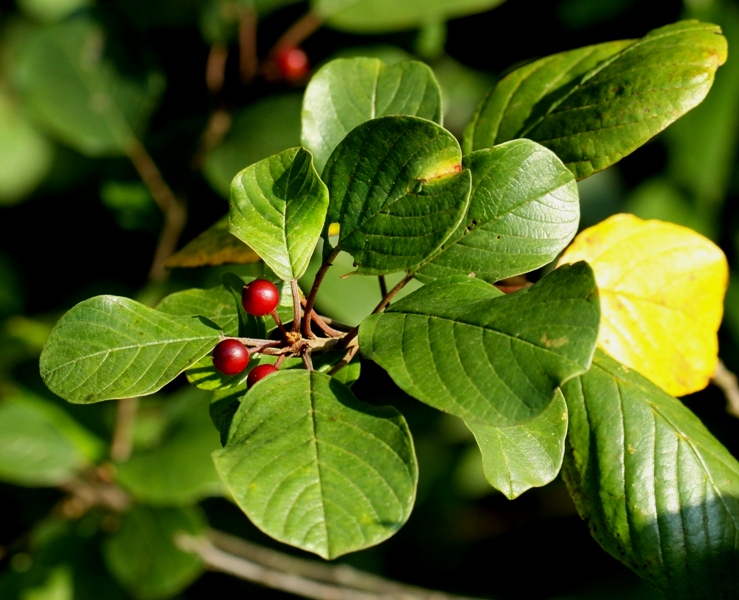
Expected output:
(258, 373)
(292, 62)
(230, 357)
(260, 297)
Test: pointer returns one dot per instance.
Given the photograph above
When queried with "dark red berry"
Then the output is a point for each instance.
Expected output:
(260, 297)
(292, 62)
(258, 373)
(230, 357)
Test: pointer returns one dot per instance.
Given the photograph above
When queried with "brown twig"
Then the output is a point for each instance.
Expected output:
(175, 214)
(306, 578)
(248, 62)
(125, 418)
(383, 285)
(215, 68)
(728, 383)
(296, 305)
(299, 31)
(311, 300)
(346, 359)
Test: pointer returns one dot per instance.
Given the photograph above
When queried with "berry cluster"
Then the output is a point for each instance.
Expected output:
(230, 356)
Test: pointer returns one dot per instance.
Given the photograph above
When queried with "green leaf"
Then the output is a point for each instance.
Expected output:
(179, 471)
(25, 154)
(263, 128)
(347, 92)
(658, 491)
(315, 468)
(398, 192)
(278, 207)
(215, 304)
(41, 444)
(524, 210)
(142, 554)
(595, 105)
(75, 81)
(109, 347)
(520, 457)
(382, 16)
(461, 346)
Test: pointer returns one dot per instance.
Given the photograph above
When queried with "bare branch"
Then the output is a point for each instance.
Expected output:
(125, 418)
(727, 382)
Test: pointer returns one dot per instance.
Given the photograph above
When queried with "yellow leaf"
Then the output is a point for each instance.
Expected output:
(661, 292)
(215, 246)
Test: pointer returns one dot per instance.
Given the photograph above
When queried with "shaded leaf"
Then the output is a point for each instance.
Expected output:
(397, 190)
(524, 210)
(75, 81)
(595, 105)
(313, 467)
(278, 206)
(178, 472)
(109, 347)
(659, 492)
(381, 16)
(463, 347)
(347, 92)
(662, 288)
(41, 444)
(142, 554)
(520, 457)
(215, 246)
(263, 128)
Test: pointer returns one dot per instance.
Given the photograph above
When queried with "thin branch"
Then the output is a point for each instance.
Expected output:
(296, 305)
(307, 361)
(301, 30)
(346, 359)
(125, 418)
(310, 301)
(298, 576)
(383, 285)
(215, 68)
(248, 62)
(728, 383)
(215, 130)
(175, 214)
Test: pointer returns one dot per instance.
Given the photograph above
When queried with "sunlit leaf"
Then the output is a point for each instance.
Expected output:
(215, 304)
(524, 209)
(109, 347)
(347, 92)
(380, 16)
(520, 457)
(215, 246)
(461, 346)
(662, 288)
(278, 207)
(397, 190)
(658, 491)
(593, 106)
(315, 468)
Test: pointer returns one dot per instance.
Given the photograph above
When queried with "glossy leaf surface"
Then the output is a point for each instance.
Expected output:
(278, 207)
(313, 467)
(109, 347)
(215, 304)
(592, 117)
(524, 209)
(347, 92)
(76, 81)
(520, 457)
(379, 16)
(658, 491)
(662, 289)
(398, 192)
(142, 554)
(461, 346)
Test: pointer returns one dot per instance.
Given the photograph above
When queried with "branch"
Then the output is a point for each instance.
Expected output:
(310, 301)
(173, 209)
(299, 31)
(248, 62)
(727, 382)
(125, 417)
(306, 578)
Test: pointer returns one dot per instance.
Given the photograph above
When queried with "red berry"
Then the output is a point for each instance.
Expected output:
(260, 297)
(292, 62)
(230, 357)
(258, 373)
